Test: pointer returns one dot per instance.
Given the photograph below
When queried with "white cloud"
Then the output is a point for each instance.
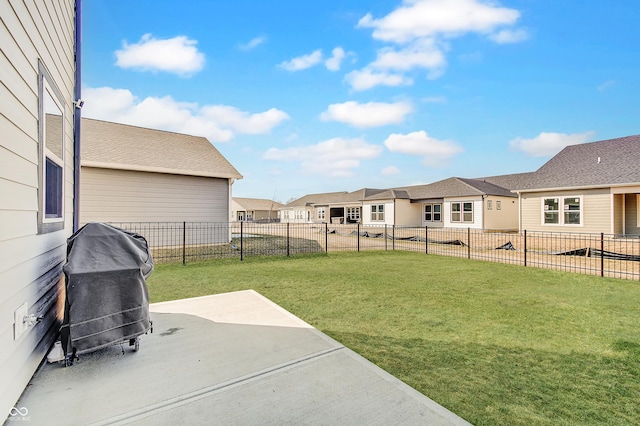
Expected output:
(334, 62)
(335, 157)
(547, 144)
(367, 78)
(510, 36)
(242, 121)
(424, 53)
(389, 171)
(371, 114)
(418, 31)
(177, 55)
(303, 62)
(253, 43)
(433, 151)
(219, 123)
(428, 18)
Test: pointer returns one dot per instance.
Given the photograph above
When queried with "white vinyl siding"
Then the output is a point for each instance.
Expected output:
(109, 195)
(475, 214)
(33, 34)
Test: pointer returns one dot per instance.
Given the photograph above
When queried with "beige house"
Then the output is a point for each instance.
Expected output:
(39, 145)
(451, 203)
(135, 174)
(332, 207)
(590, 188)
(255, 209)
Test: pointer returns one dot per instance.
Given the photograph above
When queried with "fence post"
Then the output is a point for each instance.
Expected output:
(241, 241)
(288, 243)
(602, 254)
(525, 247)
(386, 239)
(393, 235)
(326, 237)
(358, 236)
(426, 240)
(184, 243)
(469, 243)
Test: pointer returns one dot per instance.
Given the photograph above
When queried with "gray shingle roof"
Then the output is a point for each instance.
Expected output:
(597, 164)
(120, 146)
(257, 203)
(455, 187)
(333, 198)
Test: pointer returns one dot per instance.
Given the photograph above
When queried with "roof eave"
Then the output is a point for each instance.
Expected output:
(137, 168)
(573, 188)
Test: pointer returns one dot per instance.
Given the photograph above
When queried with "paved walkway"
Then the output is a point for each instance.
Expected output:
(229, 359)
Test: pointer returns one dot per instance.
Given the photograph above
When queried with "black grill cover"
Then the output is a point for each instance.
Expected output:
(107, 301)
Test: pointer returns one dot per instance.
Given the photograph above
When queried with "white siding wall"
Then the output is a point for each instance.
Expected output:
(477, 213)
(31, 268)
(389, 212)
(108, 195)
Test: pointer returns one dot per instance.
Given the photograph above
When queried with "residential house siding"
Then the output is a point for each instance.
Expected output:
(110, 195)
(37, 41)
(596, 211)
(407, 213)
(477, 213)
(503, 214)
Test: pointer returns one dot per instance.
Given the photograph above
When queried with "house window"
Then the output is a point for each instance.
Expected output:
(285, 215)
(551, 212)
(353, 214)
(462, 212)
(51, 152)
(321, 213)
(433, 212)
(571, 213)
(377, 213)
(489, 204)
(250, 215)
(498, 205)
(299, 214)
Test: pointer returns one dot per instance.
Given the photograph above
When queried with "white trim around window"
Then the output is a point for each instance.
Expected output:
(432, 212)
(51, 151)
(462, 212)
(562, 211)
(377, 212)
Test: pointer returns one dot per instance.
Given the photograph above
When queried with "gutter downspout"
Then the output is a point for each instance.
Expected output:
(77, 115)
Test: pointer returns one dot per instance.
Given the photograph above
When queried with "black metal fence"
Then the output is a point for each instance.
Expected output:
(596, 254)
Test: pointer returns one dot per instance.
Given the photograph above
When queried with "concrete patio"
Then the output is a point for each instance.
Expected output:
(230, 359)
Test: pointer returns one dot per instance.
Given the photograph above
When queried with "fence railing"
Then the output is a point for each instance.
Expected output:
(595, 254)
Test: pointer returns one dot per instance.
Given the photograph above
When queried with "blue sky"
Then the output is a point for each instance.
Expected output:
(321, 96)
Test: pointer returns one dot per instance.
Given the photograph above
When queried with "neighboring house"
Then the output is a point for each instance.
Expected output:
(255, 209)
(591, 188)
(39, 145)
(331, 207)
(135, 174)
(450, 203)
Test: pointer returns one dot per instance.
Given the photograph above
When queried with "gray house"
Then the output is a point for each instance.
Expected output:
(135, 174)
(38, 150)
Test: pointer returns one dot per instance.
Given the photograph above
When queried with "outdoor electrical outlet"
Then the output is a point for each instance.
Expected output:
(19, 326)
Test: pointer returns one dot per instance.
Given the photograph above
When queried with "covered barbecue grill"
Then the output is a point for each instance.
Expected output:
(107, 301)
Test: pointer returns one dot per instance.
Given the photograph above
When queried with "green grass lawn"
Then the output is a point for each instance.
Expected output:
(494, 343)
